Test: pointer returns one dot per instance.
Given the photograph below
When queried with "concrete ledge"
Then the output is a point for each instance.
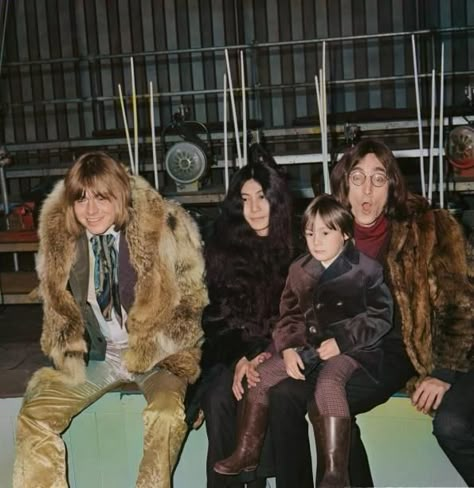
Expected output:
(105, 445)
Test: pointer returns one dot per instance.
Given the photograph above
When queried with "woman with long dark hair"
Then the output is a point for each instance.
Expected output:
(247, 259)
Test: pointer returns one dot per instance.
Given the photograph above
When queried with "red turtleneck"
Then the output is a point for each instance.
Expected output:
(372, 240)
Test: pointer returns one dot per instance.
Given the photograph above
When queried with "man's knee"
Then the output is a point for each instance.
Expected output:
(288, 397)
(39, 414)
(218, 399)
(167, 407)
(449, 425)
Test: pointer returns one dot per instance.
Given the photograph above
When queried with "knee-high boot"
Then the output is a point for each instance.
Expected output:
(332, 436)
(250, 436)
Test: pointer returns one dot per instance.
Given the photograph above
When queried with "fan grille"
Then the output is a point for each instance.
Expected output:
(185, 162)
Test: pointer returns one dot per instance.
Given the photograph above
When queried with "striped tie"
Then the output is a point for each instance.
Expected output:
(106, 276)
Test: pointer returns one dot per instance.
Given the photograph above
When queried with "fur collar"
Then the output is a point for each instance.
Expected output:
(165, 252)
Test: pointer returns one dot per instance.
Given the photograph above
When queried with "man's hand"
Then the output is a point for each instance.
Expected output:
(294, 364)
(328, 349)
(429, 394)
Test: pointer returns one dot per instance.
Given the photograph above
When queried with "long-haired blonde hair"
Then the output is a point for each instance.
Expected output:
(102, 175)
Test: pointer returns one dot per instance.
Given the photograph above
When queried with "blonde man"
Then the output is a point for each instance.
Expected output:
(121, 276)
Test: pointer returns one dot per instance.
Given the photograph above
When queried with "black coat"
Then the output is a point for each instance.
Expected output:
(348, 301)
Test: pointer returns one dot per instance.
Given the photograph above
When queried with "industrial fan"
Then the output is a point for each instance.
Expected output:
(460, 150)
(187, 161)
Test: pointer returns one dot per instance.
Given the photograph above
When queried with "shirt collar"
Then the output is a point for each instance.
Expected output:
(111, 230)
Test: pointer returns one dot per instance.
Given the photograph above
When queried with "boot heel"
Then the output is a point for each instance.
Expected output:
(249, 442)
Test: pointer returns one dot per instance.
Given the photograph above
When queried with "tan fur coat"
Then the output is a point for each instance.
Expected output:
(164, 321)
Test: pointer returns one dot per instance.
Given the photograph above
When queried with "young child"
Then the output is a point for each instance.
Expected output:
(334, 310)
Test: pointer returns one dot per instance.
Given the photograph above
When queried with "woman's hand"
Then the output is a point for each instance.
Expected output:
(294, 364)
(245, 368)
(429, 393)
(239, 373)
(328, 349)
(253, 376)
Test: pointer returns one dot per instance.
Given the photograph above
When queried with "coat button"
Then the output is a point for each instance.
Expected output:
(312, 329)
(339, 304)
(318, 306)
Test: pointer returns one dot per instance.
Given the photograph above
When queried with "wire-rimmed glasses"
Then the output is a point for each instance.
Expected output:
(358, 177)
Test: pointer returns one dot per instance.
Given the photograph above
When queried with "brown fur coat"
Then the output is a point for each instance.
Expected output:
(427, 267)
(164, 321)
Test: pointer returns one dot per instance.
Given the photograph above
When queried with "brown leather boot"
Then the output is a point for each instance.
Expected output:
(250, 438)
(332, 436)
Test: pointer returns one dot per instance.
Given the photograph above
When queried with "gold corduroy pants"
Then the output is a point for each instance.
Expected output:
(49, 406)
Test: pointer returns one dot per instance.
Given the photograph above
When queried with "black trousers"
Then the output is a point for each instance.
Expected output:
(453, 425)
(288, 407)
(220, 410)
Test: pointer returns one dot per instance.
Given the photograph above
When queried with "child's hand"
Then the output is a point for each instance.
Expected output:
(328, 349)
(294, 364)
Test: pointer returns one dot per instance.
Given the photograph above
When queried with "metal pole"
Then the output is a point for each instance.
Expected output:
(3, 185)
(256, 89)
(172, 52)
(441, 131)
(418, 111)
(2, 48)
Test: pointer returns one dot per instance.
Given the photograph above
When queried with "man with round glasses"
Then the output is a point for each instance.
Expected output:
(430, 348)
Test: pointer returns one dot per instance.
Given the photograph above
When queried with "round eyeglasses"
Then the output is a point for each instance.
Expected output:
(358, 178)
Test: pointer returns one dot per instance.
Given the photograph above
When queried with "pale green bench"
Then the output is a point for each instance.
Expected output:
(105, 444)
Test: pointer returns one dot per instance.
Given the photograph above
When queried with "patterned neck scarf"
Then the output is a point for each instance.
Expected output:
(106, 275)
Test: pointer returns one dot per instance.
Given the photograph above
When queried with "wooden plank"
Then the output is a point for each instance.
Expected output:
(19, 241)
(18, 236)
(18, 247)
(15, 287)
(18, 282)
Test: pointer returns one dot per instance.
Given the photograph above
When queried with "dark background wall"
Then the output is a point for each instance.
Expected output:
(63, 60)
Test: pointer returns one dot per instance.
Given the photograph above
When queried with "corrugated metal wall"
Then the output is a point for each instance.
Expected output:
(63, 60)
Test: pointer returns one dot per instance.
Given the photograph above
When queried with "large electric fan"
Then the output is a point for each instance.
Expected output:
(186, 161)
(460, 149)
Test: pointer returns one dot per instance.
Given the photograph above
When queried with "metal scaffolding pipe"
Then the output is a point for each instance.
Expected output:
(4, 30)
(254, 45)
(259, 88)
